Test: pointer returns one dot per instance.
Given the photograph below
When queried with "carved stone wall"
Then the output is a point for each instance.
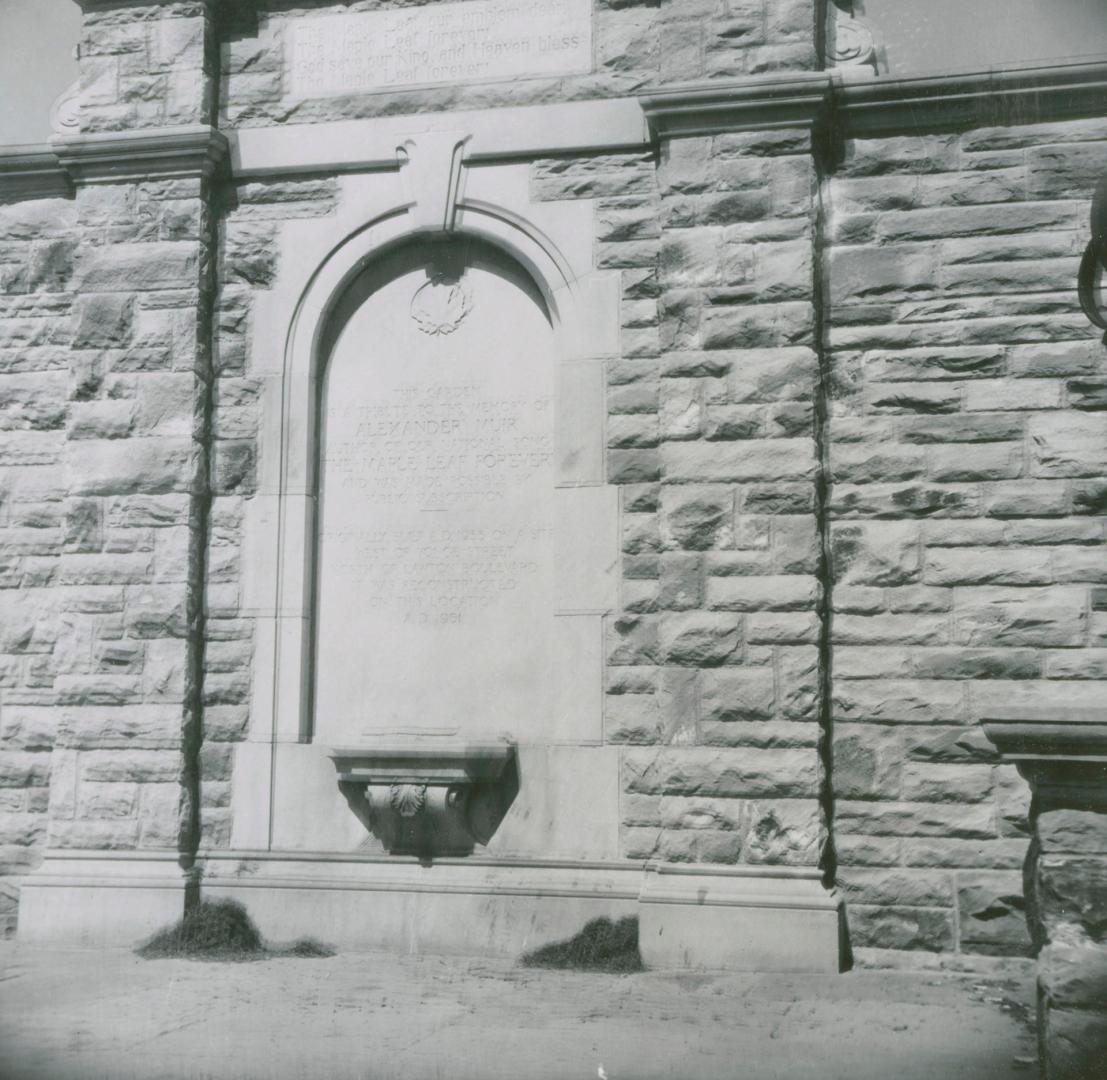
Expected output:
(853, 411)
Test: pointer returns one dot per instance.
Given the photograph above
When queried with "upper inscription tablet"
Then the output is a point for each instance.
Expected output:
(439, 43)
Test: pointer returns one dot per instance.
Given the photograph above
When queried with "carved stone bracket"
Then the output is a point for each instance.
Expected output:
(1093, 266)
(428, 800)
(850, 42)
(1062, 753)
(65, 113)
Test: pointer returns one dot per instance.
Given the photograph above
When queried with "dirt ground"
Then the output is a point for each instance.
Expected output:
(68, 1014)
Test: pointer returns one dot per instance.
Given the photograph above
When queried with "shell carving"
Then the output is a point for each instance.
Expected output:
(438, 305)
(408, 799)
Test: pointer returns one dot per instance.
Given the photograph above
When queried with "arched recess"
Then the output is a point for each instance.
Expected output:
(574, 317)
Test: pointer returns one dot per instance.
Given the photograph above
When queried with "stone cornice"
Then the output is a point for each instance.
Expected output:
(737, 105)
(31, 172)
(195, 150)
(881, 105)
(108, 5)
(1020, 94)
(1062, 752)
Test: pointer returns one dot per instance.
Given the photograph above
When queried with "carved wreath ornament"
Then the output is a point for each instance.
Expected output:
(438, 305)
(1093, 266)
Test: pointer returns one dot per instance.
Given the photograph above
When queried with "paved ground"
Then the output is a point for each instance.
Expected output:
(87, 1015)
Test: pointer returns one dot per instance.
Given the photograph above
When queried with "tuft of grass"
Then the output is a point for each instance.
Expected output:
(602, 945)
(222, 930)
(306, 948)
(214, 929)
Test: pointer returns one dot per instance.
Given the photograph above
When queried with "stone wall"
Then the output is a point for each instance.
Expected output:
(37, 249)
(967, 449)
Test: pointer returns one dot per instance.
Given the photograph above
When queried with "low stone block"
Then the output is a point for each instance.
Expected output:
(926, 929)
(993, 914)
(1076, 1043)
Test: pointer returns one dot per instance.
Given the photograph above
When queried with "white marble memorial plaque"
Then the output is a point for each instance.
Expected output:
(435, 599)
(471, 41)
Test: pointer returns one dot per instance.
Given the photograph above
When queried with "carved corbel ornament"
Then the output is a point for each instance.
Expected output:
(433, 171)
(1093, 266)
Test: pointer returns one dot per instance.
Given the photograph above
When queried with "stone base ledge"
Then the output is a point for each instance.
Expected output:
(91, 899)
(704, 917)
(709, 917)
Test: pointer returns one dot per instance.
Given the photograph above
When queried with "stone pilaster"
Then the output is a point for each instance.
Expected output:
(129, 649)
(714, 677)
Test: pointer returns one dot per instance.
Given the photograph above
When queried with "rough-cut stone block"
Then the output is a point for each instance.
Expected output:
(1074, 831)
(899, 700)
(1067, 444)
(930, 629)
(896, 886)
(699, 639)
(784, 833)
(761, 375)
(867, 761)
(862, 273)
(1035, 618)
(737, 694)
(1072, 893)
(745, 773)
(1074, 974)
(139, 267)
(970, 854)
(768, 459)
(102, 320)
(954, 745)
(125, 466)
(972, 822)
(924, 782)
(884, 553)
(697, 518)
(968, 566)
(928, 929)
(770, 593)
(1076, 1043)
